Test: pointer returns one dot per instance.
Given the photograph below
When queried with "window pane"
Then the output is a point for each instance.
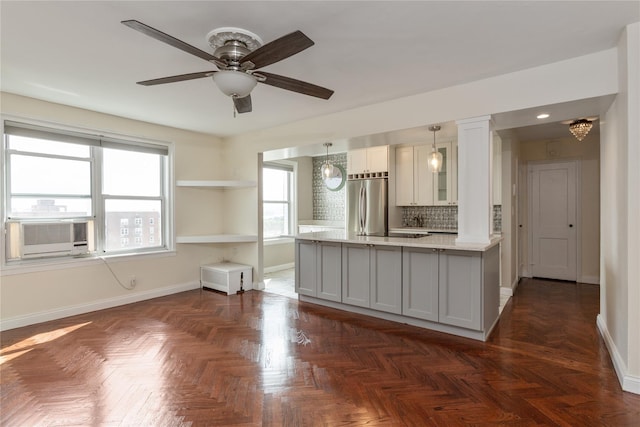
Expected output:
(275, 184)
(48, 147)
(42, 175)
(132, 218)
(55, 207)
(276, 219)
(128, 173)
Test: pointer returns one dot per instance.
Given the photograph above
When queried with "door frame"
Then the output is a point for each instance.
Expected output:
(578, 223)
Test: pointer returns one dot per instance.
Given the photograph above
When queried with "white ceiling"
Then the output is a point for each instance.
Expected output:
(78, 53)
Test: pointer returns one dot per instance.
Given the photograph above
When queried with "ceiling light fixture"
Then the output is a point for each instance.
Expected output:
(235, 83)
(435, 157)
(542, 116)
(580, 128)
(327, 168)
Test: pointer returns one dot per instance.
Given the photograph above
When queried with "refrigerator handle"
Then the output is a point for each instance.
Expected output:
(364, 209)
(361, 210)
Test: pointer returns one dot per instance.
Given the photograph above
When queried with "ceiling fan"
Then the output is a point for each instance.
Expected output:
(238, 54)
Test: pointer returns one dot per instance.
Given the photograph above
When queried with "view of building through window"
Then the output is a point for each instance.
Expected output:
(52, 180)
(277, 195)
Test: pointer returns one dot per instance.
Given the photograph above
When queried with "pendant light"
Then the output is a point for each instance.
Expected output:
(327, 168)
(435, 157)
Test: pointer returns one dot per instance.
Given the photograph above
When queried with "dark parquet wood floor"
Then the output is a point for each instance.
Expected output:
(206, 359)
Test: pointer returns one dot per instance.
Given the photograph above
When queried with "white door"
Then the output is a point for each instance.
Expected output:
(552, 200)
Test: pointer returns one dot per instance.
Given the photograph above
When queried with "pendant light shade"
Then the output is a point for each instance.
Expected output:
(327, 168)
(435, 157)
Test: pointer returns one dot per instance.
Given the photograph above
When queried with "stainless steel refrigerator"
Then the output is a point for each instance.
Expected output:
(367, 206)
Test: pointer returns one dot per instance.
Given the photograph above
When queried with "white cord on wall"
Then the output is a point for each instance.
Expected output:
(129, 288)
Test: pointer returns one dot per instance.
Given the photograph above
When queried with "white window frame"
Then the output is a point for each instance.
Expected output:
(100, 139)
(291, 199)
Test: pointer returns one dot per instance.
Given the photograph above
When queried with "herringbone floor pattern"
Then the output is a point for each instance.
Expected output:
(206, 359)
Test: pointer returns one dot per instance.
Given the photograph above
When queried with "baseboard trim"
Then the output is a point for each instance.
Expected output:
(59, 313)
(628, 382)
(589, 280)
(507, 292)
(280, 267)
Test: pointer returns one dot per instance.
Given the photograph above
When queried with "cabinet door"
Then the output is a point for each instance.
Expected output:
(306, 276)
(357, 161)
(442, 180)
(404, 176)
(460, 287)
(329, 285)
(386, 278)
(378, 159)
(423, 177)
(420, 283)
(355, 275)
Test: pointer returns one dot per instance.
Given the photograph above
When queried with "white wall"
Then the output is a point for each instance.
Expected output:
(587, 153)
(619, 319)
(38, 296)
(509, 247)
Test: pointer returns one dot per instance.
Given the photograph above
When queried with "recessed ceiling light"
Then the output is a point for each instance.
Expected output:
(542, 116)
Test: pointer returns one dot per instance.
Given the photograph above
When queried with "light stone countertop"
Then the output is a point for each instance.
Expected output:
(435, 241)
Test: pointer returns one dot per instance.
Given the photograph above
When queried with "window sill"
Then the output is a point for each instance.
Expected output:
(34, 266)
(278, 240)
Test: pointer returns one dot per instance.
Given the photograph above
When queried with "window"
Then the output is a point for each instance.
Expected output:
(56, 175)
(277, 194)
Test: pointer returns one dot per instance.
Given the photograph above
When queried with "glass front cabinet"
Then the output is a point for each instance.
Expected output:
(445, 183)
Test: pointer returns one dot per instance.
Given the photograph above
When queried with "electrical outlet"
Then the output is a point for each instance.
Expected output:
(132, 281)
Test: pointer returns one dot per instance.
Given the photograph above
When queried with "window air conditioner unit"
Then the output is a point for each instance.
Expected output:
(53, 238)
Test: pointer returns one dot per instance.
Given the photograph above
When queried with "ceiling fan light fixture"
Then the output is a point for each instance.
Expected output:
(580, 128)
(235, 83)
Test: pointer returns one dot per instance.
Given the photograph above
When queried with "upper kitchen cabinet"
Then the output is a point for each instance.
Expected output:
(414, 181)
(371, 160)
(497, 169)
(445, 184)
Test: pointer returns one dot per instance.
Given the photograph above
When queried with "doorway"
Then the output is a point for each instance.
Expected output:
(553, 231)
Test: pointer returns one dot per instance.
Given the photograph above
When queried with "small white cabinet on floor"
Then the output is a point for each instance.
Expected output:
(226, 277)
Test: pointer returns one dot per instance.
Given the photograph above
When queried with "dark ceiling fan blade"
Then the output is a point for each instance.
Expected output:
(278, 49)
(295, 85)
(179, 78)
(170, 40)
(243, 105)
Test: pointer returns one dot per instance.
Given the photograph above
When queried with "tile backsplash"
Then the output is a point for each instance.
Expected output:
(328, 205)
(441, 217)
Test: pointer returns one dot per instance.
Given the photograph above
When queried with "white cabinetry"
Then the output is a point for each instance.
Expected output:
(497, 170)
(368, 160)
(318, 269)
(445, 184)
(216, 238)
(414, 181)
(371, 277)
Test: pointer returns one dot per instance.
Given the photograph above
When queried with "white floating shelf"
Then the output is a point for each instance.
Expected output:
(216, 184)
(218, 238)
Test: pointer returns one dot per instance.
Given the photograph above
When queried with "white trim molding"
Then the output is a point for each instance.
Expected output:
(589, 280)
(45, 316)
(628, 382)
(280, 267)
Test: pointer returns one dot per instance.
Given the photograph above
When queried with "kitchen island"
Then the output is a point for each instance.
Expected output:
(428, 281)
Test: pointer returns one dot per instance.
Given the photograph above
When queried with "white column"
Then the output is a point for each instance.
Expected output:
(475, 210)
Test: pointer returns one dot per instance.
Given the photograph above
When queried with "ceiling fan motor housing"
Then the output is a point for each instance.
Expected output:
(232, 44)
